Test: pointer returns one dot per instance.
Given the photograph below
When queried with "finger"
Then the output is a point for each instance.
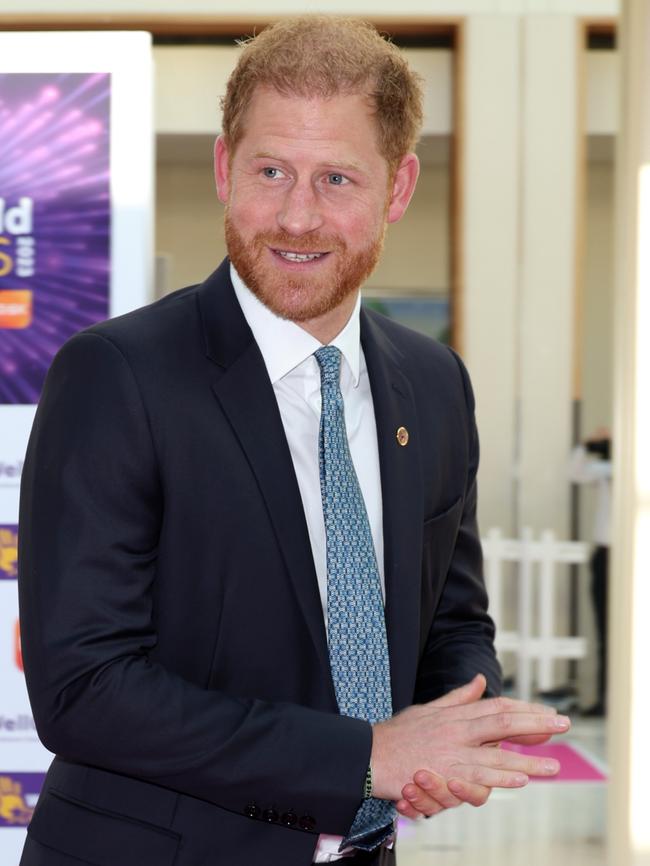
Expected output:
(429, 789)
(435, 786)
(468, 693)
(426, 805)
(530, 740)
(496, 727)
(488, 777)
(469, 792)
(404, 808)
(490, 706)
(517, 762)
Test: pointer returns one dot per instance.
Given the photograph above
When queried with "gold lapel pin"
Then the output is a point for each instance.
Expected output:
(402, 436)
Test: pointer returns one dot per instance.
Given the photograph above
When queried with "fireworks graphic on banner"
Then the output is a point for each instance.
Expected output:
(54, 219)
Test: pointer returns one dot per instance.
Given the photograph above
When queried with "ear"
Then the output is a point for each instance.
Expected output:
(222, 169)
(403, 186)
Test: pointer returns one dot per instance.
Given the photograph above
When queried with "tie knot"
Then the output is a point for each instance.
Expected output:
(329, 360)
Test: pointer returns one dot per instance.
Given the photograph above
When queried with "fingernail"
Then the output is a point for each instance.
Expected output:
(551, 766)
(561, 723)
(521, 780)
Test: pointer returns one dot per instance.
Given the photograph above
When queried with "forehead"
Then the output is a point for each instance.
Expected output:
(344, 123)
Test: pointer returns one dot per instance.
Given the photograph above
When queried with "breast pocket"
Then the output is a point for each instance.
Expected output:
(100, 838)
(438, 541)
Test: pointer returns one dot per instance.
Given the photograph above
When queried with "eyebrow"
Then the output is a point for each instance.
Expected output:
(339, 166)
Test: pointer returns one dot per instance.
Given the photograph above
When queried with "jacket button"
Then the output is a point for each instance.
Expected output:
(289, 819)
(270, 815)
(307, 822)
(252, 811)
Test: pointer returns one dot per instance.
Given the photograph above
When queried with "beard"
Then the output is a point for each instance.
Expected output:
(298, 297)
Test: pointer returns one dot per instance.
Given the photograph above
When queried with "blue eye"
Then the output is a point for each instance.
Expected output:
(337, 179)
(271, 172)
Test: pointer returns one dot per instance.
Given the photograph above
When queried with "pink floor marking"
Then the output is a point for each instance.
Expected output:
(575, 767)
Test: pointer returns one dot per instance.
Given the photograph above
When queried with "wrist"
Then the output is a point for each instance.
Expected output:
(380, 761)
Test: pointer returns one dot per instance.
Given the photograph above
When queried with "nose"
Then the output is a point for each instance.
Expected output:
(300, 211)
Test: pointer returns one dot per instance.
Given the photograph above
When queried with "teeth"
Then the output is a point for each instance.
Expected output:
(300, 257)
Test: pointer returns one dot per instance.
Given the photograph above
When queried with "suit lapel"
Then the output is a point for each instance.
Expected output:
(244, 391)
(401, 484)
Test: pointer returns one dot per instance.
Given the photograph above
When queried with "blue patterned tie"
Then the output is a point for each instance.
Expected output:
(355, 612)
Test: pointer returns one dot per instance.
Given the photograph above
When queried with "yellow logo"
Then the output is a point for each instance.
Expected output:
(8, 553)
(13, 809)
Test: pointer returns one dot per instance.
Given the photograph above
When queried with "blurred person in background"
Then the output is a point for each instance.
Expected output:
(591, 464)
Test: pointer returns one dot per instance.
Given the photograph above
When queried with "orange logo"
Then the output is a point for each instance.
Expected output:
(15, 308)
(18, 647)
(13, 809)
(8, 552)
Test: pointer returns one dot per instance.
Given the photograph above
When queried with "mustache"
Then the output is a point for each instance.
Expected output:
(313, 242)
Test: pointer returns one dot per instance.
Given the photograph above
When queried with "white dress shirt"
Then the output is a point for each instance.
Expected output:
(288, 353)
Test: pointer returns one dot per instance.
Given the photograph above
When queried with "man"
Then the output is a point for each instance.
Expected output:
(206, 555)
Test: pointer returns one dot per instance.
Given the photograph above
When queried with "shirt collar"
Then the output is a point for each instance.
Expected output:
(284, 344)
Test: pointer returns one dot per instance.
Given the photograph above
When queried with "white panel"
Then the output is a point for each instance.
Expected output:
(15, 424)
(549, 188)
(490, 214)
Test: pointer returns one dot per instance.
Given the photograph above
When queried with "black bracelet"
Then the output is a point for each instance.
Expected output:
(367, 786)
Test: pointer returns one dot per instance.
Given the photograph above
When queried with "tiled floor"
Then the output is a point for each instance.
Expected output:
(546, 822)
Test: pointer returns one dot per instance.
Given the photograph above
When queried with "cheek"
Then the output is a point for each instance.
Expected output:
(361, 216)
(249, 213)
(358, 229)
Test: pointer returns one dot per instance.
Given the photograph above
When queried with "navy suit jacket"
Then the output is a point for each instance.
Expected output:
(173, 635)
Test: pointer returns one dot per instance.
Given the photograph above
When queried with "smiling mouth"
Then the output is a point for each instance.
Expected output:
(298, 257)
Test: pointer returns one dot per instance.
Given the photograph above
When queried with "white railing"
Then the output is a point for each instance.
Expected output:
(534, 638)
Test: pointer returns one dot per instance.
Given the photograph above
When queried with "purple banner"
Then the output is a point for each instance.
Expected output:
(8, 552)
(54, 219)
(18, 795)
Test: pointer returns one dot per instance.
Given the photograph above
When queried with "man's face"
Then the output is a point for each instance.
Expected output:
(307, 196)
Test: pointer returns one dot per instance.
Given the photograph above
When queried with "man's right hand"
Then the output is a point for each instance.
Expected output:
(436, 755)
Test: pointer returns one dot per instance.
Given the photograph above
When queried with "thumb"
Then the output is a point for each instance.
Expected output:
(467, 694)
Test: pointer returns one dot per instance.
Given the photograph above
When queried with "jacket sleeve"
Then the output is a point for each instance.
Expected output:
(460, 643)
(92, 504)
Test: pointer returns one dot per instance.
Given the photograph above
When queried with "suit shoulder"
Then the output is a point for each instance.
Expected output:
(151, 323)
(147, 341)
(424, 359)
(412, 345)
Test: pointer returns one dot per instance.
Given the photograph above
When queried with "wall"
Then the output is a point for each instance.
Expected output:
(189, 228)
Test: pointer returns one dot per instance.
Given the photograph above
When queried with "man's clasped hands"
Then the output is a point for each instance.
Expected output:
(449, 751)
